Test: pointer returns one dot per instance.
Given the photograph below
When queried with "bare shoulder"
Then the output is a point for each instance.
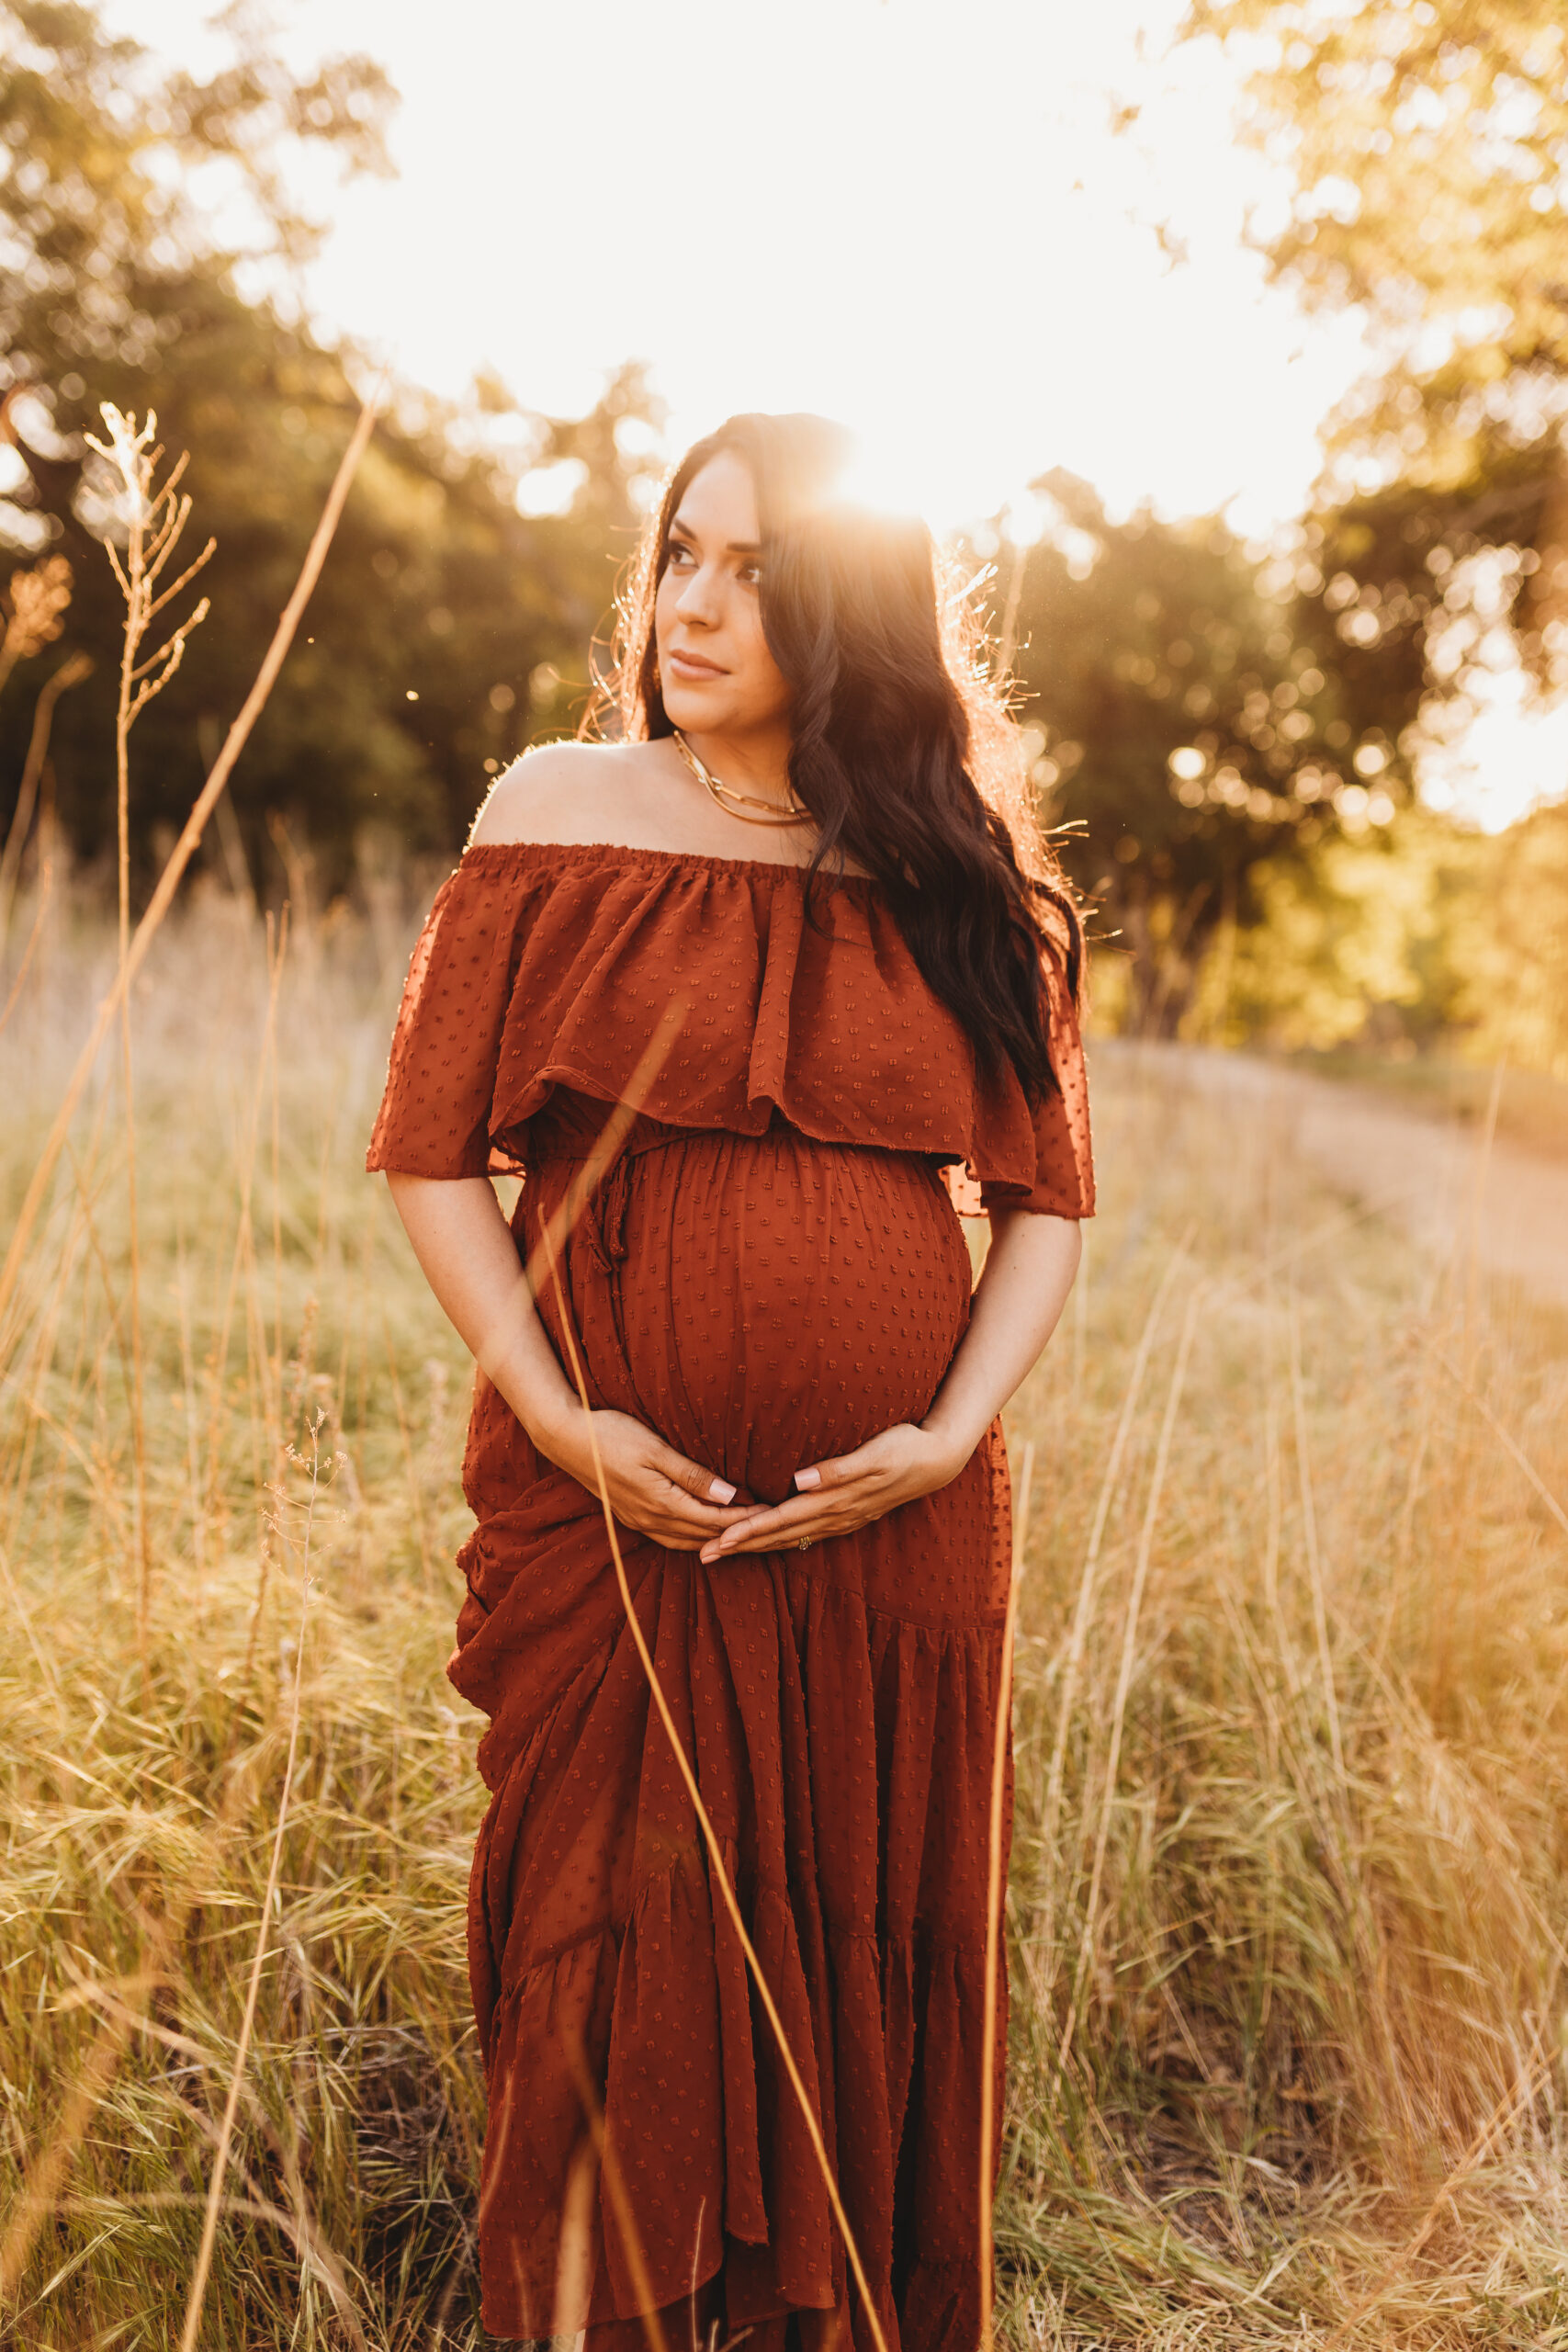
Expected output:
(569, 793)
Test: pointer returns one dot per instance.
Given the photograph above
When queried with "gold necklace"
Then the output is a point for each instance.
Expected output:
(740, 804)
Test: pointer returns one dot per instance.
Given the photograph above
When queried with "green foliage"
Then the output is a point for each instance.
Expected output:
(1423, 936)
(101, 142)
(1339, 948)
(1213, 718)
(1204, 713)
(1427, 147)
(449, 628)
(1506, 925)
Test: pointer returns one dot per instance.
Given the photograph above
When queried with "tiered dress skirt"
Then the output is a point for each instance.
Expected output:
(764, 1303)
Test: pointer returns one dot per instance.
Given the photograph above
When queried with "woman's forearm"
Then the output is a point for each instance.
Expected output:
(468, 1257)
(1018, 1303)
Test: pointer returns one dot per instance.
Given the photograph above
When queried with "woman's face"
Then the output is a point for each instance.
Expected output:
(716, 675)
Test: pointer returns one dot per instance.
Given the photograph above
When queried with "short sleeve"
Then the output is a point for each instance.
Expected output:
(1064, 1151)
(435, 1119)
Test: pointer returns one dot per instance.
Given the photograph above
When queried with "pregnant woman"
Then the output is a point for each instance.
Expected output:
(730, 993)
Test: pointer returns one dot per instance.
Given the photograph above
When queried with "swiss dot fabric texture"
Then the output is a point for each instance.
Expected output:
(768, 1273)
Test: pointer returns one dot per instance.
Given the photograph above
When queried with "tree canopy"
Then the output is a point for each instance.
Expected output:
(448, 627)
(1427, 151)
(1200, 707)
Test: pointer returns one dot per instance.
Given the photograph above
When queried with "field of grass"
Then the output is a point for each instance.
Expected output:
(1290, 1883)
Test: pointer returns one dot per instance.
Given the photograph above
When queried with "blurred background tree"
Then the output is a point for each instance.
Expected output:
(1425, 150)
(1427, 146)
(1197, 712)
(149, 242)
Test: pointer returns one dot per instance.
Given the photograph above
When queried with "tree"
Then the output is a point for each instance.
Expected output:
(1200, 708)
(100, 147)
(448, 627)
(1427, 146)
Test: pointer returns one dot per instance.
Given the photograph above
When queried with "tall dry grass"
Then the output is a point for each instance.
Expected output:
(1288, 1900)
(1288, 1891)
(139, 1805)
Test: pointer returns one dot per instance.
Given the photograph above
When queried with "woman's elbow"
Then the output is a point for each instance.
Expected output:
(1058, 1240)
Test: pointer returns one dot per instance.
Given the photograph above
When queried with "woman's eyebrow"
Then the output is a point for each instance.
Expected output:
(734, 546)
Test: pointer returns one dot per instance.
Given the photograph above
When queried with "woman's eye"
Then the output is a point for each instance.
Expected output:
(678, 554)
(752, 573)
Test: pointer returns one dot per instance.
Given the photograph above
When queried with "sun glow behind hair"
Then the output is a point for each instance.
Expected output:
(889, 476)
(912, 217)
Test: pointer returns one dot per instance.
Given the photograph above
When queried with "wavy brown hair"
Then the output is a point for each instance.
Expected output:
(904, 749)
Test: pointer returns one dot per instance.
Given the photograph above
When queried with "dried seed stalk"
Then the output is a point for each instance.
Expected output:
(545, 1261)
(185, 849)
(155, 517)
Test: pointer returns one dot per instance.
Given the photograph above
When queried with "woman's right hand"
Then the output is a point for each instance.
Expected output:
(650, 1486)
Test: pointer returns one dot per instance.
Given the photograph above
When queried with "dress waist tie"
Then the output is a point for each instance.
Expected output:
(604, 1215)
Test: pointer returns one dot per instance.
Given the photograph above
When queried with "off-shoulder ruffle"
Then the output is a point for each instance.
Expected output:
(554, 966)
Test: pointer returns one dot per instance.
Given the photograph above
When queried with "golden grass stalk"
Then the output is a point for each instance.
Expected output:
(1324, 2011)
(549, 1246)
(45, 2175)
(189, 841)
(197, 2291)
(72, 671)
(574, 2271)
(1311, 1546)
(241, 1257)
(45, 893)
(573, 2259)
(1125, 1671)
(1510, 1445)
(1087, 1596)
(1479, 1174)
(996, 1898)
(47, 2172)
(155, 517)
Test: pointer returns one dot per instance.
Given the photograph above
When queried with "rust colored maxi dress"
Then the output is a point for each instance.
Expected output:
(771, 1272)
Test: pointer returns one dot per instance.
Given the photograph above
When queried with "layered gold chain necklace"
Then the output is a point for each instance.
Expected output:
(740, 804)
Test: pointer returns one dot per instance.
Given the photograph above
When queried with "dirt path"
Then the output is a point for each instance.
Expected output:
(1426, 1173)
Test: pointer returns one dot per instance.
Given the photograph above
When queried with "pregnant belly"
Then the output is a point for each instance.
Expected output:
(779, 1301)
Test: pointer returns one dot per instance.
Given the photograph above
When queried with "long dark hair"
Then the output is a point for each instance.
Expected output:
(904, 750)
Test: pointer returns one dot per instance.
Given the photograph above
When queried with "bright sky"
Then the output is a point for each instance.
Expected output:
(904, 214)
(908, 214)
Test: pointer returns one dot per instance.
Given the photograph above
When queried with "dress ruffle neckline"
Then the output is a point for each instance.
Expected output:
(547, 966)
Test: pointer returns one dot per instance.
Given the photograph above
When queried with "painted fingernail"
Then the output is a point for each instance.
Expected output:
(808, 1478)
(721, 1491)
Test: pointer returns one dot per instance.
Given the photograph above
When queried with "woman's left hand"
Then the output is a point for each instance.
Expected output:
(837, 1497)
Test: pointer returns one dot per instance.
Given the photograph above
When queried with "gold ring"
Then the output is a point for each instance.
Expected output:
(806, 1542)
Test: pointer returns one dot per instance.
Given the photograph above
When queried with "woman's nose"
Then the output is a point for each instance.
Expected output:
(697, 601)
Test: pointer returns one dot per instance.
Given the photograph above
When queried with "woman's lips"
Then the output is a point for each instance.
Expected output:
(694, 665)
